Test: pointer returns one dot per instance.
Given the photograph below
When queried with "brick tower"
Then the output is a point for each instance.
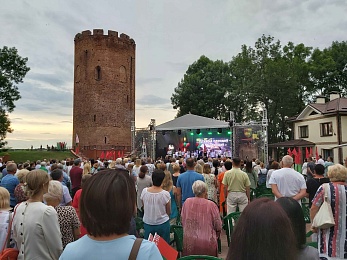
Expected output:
(104, 93)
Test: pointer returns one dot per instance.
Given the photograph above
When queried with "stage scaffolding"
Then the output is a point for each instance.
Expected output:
(143, 140)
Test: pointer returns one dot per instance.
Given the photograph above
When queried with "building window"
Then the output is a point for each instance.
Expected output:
(303, 131)
(94, 118)
(326, 129)
(97, 73)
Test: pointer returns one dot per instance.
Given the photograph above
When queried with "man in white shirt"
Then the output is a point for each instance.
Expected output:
(320, 160)
(287, 182)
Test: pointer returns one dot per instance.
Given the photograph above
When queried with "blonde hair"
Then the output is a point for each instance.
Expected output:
(112, 165)
(55, 191)
(176, 167)
(21, 175)
(167, 182)
(337, 172)
(4, 199)
(207, 168)
(198, 168)
(86, 168)
(35, 180)
(138, 162)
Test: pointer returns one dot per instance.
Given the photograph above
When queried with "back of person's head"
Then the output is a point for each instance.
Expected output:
(176, 167)
(228, 165)
(319, 169)
(249, 166)
(138, 162)
(215, 163)
(21, 175)
(267, 237)
(84, 179)
(275, 165)
(55, 191)
(100, 217)
(198, 168)
(11, 167)
(158, 177)
(207, 168)
(162, 166)
(296, 216)
(35, 181)
(287, 161)
(143, 171)
(54, 166)
(167, 182)
(190, 163)
(56, 174)
(4, 199)
(337, 173)
(77, 162)
(236, 161)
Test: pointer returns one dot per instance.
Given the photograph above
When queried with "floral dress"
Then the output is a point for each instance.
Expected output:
(212, 191)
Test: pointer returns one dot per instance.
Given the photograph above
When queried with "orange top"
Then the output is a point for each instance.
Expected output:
(221, 191)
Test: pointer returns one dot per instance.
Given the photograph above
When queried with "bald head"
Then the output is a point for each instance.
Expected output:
(287, 161)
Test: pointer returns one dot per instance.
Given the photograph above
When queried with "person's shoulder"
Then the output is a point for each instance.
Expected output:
(49, 210)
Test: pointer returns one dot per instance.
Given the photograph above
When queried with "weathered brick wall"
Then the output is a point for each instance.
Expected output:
(104, 90)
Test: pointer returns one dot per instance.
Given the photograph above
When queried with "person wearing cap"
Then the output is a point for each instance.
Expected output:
(76, 176)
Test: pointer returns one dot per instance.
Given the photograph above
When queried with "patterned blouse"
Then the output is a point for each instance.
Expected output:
(19, 193)
(68, 221)
(332, 241)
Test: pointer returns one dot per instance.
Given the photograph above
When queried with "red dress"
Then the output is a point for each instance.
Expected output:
(201, 227)
(75, 204)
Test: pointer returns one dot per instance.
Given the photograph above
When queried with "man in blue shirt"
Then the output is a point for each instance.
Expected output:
(185, 182)
(10, 182)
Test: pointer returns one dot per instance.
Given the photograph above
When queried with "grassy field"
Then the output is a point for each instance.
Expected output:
(24, 155)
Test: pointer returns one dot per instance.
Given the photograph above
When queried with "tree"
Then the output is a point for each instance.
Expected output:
(12, 72)
(329, 69)
(202, 89)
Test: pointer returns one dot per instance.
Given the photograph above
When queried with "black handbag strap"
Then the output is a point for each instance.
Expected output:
(135, 249)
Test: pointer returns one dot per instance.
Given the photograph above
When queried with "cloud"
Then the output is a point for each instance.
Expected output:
(178, 66)
(143, 81)
(66, 121)
(151, 100)
(46, 134)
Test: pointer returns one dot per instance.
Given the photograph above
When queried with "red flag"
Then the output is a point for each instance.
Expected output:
(77, 150)
(168, 252)
(307, 154)
(311, 153)
(102, 155)
(294, 152)
(298, 157)
(289, 152)
(317, 155)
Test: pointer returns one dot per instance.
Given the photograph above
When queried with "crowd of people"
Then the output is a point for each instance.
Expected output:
(86, 209)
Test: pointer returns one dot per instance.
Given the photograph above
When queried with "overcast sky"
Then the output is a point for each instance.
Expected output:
(169, 36)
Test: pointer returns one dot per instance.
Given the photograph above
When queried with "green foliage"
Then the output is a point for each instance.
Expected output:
(12, 71)
(282, 79)
(24, 155)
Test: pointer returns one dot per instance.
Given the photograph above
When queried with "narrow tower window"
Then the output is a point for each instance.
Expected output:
(94, 118)
(105, 140)
(97, 73)
(127, 98)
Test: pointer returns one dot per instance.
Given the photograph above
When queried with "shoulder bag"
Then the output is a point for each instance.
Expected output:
(135, 249)
(324, 218)
(9, 253)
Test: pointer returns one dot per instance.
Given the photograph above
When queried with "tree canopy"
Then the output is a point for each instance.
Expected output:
(12, 72)
(281, 78)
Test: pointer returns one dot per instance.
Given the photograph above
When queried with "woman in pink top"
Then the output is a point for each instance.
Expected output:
(201, 223)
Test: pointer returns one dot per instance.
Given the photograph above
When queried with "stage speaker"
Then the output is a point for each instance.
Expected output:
(179, 132)
(198, 131)
(163, 132)
(220, 130)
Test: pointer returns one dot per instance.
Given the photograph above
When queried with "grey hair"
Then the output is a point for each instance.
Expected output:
(287, 160)
(199, 188)
(55, 191)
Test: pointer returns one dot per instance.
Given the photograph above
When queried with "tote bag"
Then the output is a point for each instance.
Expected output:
(324, 218)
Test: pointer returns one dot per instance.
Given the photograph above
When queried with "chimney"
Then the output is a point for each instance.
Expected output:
(334, 95)
(320, 100)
